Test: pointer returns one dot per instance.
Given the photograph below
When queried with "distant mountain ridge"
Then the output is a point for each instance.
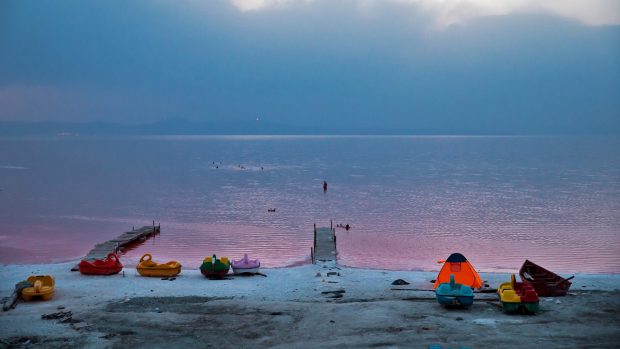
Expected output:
(187, 127)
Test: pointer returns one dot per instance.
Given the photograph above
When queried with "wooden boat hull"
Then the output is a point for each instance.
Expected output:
(545, 282)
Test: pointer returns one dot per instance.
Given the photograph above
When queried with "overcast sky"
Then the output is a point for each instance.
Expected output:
(486, 65)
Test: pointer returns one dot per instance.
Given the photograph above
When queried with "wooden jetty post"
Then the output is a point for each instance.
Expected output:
(101, 250)
(324, 248)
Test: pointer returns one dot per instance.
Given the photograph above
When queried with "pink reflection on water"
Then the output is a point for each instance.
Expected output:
(190, 243)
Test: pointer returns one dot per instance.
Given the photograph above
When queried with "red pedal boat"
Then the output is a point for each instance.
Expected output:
(107, 266)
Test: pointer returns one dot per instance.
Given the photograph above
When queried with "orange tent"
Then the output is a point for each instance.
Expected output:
(464, 272)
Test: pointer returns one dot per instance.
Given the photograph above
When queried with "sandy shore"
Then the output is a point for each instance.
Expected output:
(295, 308)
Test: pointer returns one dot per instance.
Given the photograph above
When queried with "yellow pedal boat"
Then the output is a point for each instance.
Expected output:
(42, 286)
(149, 268)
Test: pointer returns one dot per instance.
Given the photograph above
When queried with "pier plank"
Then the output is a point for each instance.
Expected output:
(101, 250)
(325, 244)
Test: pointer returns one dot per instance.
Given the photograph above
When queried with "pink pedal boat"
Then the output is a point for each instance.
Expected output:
(245, 265)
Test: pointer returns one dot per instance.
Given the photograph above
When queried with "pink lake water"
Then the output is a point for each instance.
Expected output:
(410, 200)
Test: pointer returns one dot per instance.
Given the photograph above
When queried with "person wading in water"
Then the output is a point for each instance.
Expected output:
(324, 186)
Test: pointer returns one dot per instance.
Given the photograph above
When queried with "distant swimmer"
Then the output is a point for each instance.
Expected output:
(324, 186)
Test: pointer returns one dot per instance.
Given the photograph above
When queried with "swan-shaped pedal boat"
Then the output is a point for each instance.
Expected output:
(245, 265)
(214, 267)
(147, 267)
(107, 266)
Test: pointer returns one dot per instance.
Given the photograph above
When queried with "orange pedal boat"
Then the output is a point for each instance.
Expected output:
(42, 287)
(149, 268)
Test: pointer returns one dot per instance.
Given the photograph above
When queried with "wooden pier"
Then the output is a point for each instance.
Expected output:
(324, 249)
(101, 250)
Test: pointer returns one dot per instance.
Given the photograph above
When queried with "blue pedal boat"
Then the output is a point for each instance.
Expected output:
(453, 294)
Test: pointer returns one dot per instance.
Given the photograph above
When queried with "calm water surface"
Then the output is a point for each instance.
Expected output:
(410, 200)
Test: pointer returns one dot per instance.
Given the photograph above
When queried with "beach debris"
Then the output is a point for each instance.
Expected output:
(80, 325)
(318, 274)
(333, 292)
(11, 302)
(271, 210)
(486, 289)
(485, 322)
(60, 307)
(333, 273)
(400, 282)
(61, 316)
(433, 281)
